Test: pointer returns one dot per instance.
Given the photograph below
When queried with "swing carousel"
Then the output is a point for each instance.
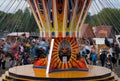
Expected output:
(60, 20)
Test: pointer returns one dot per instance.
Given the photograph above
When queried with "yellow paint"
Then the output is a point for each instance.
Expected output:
(60, 20)
(82, 22)
(55, 18)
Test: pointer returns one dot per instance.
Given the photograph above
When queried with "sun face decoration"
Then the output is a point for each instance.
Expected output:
(64, 50)
(64, 55)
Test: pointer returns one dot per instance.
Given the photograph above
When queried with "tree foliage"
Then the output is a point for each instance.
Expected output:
(23, 21)
(107, 16)
(20, 21)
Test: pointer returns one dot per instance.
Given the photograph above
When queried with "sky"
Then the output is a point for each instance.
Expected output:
(11, 6)
(96, 6)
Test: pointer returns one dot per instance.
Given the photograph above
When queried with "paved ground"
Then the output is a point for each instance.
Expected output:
(118, 71)
(8, 65)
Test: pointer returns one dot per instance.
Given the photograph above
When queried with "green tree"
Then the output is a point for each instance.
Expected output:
(23, 21)
(107, 16)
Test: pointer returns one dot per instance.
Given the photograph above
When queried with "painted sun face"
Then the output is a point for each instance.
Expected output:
(64, 55)
(64, 51)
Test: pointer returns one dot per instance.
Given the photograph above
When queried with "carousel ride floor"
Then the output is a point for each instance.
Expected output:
(27, 72)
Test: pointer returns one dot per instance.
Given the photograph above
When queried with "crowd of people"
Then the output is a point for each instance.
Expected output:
(21, 52)
(109, 57)
(26, 51)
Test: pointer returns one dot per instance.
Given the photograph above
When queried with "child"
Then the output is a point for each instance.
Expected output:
(94, 58)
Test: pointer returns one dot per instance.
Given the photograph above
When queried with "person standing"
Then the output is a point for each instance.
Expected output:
(114, 61)
(109, 62)
(3, 60)
(1, 50)
(103, 57)
(6, 47)
(94, 58)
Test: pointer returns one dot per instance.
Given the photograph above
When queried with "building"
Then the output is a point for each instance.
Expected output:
(104, 31)
(86, 31)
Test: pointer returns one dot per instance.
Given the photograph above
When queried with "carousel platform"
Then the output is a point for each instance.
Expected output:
(27, 72)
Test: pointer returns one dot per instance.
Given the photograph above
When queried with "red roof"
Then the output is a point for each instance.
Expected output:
(103, 31)
(86, 31)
